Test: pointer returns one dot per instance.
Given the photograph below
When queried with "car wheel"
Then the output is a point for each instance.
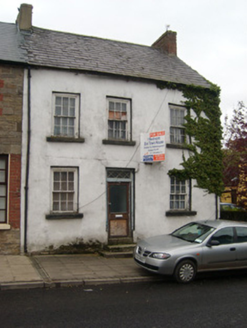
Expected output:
(185, 271)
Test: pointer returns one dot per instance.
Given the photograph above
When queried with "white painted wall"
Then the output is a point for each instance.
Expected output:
(152, 184)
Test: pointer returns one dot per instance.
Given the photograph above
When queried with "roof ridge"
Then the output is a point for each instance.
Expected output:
(92, 37)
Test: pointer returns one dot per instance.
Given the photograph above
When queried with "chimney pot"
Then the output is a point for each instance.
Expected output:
(24, 18)
(167, 43)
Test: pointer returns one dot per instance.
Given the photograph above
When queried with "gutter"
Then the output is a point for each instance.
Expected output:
(27, 157)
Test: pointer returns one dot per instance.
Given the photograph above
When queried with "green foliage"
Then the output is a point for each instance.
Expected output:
(204, 131)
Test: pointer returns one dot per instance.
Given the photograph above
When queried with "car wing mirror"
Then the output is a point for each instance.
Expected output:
(213, 243)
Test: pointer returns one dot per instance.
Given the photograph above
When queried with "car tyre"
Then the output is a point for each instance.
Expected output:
(185, 272)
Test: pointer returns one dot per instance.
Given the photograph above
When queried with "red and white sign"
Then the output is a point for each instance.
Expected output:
(153, 147)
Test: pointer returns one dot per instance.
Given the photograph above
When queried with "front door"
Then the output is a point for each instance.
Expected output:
(119, 209)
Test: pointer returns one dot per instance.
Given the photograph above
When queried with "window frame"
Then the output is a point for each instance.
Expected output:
(76, 117)
(180, 138)
(6, 184)
(75, 170)
(128, 120)
(176, 184)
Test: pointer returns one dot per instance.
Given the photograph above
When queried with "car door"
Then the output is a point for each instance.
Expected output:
(220, 251)
(241, 246)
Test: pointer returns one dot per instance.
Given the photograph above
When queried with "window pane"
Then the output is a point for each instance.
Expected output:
(2, 164)
(118, 197)
(111, 105)
(2, 190)
(63, 197)
(71, 176)
(56, 176)
(63, 206)
(124, 107)
(55, 206)
(56, 186)
(64, 176)
(72, 112)
(71, 122)
(110, 129)
(58, 100)
(58, 110)
(65, 106)
(2, 176)
(2, 216)
(71, 132)
(70, 206)
(2, 203)
(72, 102)
(56, 196)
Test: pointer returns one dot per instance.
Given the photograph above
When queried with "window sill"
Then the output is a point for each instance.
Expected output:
(61, 216)
(176, 146)
(5, 226)
(118, 142)
(181, 213)
(65, 139)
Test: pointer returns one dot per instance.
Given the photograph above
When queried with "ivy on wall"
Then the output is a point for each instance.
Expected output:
(204, 131)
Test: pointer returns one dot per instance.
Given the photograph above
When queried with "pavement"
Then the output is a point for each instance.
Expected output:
(48, 271)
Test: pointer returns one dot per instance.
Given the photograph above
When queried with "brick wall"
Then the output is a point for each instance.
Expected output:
(11, 91)
(167, 43)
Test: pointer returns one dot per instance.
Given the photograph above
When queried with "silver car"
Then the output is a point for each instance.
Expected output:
(195, 247)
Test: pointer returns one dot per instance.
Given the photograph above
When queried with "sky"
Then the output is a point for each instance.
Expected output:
(211, 34)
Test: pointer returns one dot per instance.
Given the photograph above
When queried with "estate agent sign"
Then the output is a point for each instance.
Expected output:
(153, 147)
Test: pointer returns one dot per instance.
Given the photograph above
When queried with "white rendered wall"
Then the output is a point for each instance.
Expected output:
(150, 112)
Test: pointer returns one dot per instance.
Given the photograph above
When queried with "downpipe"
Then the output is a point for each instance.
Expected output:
(27, 157)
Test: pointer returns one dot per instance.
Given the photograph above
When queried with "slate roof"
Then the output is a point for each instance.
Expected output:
(10, 40)
(55, 49)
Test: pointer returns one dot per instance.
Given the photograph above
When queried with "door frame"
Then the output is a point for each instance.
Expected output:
(118, 175)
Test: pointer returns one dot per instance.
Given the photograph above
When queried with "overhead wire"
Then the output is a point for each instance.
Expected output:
(136, 149)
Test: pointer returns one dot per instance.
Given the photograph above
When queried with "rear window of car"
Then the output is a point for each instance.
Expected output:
(241, 234)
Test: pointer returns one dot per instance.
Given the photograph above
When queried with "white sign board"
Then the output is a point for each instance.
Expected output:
(153, 147)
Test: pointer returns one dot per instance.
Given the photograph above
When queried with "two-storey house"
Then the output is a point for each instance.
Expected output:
(92, 111)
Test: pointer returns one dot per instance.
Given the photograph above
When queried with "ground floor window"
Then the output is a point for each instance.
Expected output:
(178, 194)
(3, 187)
(64, 190)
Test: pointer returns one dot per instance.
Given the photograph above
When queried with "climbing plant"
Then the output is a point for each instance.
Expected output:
(204, 135)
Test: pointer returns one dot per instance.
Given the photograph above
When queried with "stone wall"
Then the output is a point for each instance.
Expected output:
(11, 91)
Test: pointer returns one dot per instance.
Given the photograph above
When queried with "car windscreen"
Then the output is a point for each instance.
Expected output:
(193, 232)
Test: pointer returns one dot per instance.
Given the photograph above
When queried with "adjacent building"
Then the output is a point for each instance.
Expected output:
(12, 62)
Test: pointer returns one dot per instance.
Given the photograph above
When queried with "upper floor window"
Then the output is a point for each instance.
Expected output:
(177, 130)
(66, 112)
(3, 188)
(119, 125)
(178, 194)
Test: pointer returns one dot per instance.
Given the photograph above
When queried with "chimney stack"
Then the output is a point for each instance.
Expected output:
(167, 43)
(24, 18)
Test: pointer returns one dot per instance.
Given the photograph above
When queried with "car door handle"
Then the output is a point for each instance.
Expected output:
(232, 249)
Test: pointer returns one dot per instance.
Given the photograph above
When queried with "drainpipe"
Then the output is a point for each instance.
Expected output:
(216, 208)
(27, 157)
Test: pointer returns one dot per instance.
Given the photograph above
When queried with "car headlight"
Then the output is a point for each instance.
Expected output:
(160, 256)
